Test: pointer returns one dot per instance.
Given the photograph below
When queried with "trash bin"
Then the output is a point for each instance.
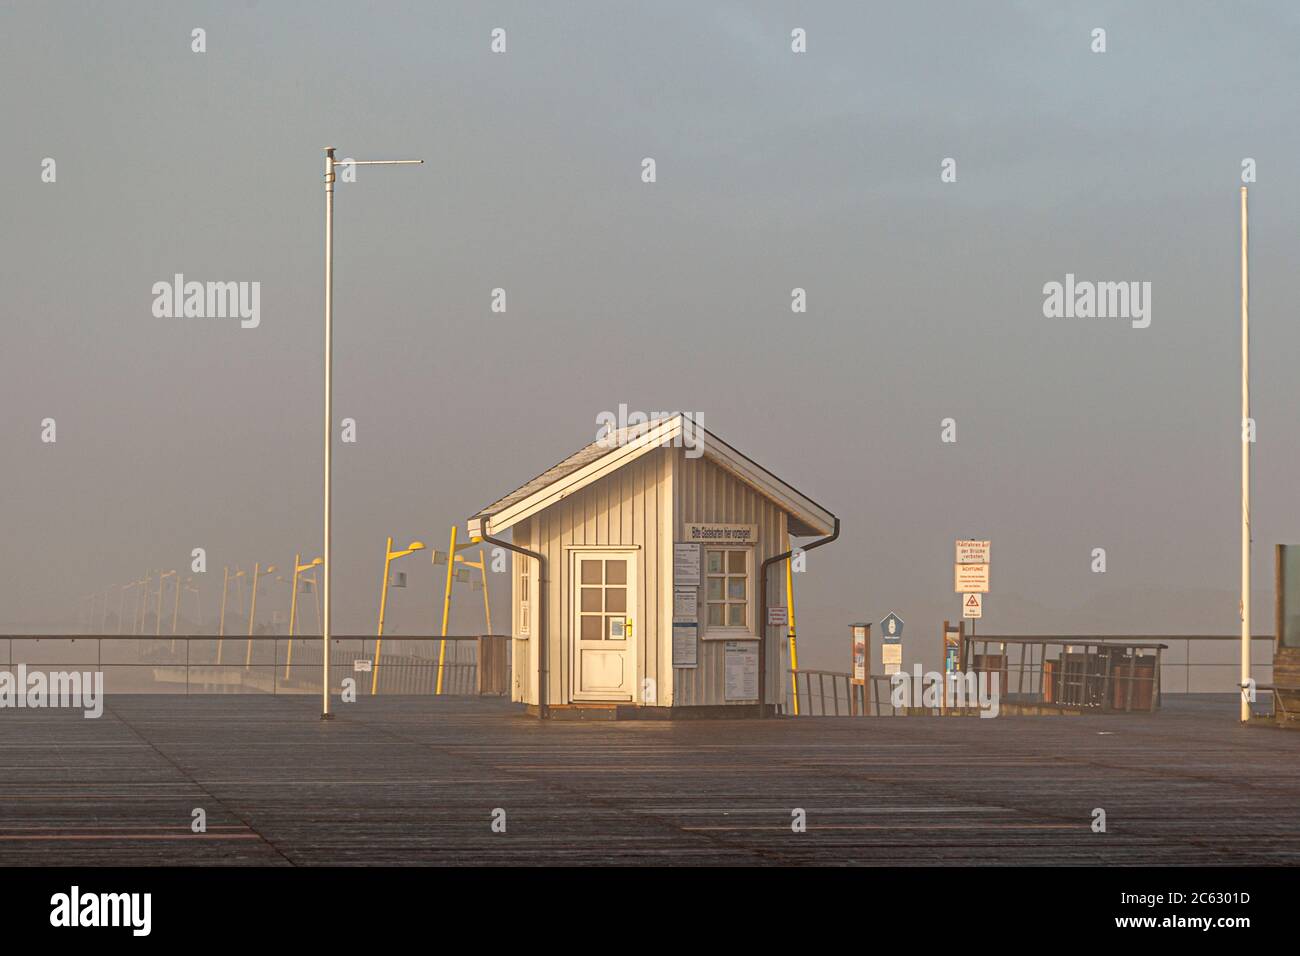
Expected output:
(1144, 680)
(986, 664)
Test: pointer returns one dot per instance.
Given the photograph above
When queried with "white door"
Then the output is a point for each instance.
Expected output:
(602, 625)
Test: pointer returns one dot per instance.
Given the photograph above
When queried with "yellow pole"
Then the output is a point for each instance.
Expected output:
(252, 613)
(487, 606)
(221, 628)
(383, 602)
(293, 612)
(446, 606)
(794, 649)
(143, 603)
(315, 596)
(157, 628)
(176, 610)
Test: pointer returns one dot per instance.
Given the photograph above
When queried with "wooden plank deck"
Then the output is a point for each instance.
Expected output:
(414, 780)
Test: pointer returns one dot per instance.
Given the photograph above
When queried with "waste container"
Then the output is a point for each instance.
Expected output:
(1143, 680)
(987, 664)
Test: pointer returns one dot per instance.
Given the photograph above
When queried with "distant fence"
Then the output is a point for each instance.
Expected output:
(1092, 672)
(1085, 673)
(473, 665)
(1191, 663)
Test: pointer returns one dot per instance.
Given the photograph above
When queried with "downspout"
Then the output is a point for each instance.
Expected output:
(762, 609)
(542, 663)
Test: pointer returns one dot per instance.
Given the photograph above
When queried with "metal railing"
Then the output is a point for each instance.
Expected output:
(1101, 673)
(833, 694)
(1177, 676)
(1086, 673)
(1221, 676)
(474, 665)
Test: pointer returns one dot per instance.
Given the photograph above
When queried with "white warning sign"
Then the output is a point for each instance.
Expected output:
(968, 578)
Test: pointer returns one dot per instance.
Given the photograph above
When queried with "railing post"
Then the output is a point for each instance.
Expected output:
(1155, 677)
(1042, 670)
(1132, 679)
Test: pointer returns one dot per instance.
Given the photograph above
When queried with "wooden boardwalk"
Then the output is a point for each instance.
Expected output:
(415, 780)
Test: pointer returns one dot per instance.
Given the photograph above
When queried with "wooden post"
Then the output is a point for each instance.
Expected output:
(943, 665)
(961, 639)
(866, 682)
(1279, 597)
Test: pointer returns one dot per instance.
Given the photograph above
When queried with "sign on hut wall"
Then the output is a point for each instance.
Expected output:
(722, 533)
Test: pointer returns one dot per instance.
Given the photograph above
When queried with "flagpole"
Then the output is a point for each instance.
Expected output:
(1245, 463)
(327, 565)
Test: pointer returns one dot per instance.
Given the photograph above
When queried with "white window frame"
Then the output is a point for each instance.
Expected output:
(728, 632)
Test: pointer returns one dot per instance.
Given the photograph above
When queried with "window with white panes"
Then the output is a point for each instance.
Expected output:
(726, 587)
(602, 608)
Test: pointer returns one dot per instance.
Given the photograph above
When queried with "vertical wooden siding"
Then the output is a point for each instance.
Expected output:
(706, 492)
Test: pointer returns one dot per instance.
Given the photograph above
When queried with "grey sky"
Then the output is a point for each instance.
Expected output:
(775, 170)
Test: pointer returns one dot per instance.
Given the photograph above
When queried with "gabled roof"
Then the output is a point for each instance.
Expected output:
(618, 448)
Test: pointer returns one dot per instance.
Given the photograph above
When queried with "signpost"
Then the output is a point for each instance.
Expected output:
(891, 643)
(971, 581)
(860, 672)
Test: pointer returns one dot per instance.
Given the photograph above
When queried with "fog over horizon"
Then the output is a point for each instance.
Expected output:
(775, 171)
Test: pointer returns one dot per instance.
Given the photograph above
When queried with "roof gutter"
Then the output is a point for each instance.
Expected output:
(762, 609)
(540, 597)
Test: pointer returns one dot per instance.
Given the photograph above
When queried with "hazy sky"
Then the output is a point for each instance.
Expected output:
(775, 170)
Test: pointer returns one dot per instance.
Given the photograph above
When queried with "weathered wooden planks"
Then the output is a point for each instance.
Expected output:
(415, 781)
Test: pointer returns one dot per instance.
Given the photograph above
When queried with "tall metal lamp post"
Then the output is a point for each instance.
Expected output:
(328, 566)
(1246, 428)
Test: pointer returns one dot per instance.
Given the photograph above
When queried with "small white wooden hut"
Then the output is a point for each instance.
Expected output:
(637, 576)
